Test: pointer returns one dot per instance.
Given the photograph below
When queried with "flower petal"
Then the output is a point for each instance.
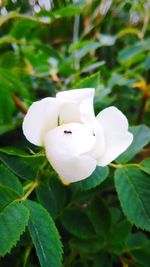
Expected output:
(76, 94)
(68, 150)
(116, 135)
(81, 108)
(41, 117)
(99, 147)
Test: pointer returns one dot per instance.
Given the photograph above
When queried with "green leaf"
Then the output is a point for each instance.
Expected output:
(118, 236)
(141, 136)
(44, 235)
(142, 256)
(137, 246)
(100, 217)
(46, 197)
(145, 165)
(120, 232)
(103, 260)
(8, 179)
(136, 241)
(6, 196)
(9, 83)
(68, 11)
(7, 127)
(51, 193)
(76, 222)
(91, 246)
(82, 48)
(95, 179)
(14, 151)
(24, 167)
(13, 82)
(89, 82)
(131, 53)
(133, 188)
(13, 221)
(6, 104)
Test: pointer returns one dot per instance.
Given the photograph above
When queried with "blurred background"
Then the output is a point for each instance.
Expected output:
(48, 46)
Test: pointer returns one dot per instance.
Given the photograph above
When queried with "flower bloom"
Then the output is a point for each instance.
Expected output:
(74, 139)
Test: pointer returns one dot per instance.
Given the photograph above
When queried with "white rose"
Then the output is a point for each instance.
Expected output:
(75, 140)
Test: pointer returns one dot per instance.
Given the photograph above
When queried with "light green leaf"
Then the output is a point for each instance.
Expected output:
(13, 221)
(8, 179)
(44, 235)
(91, 81)
(14, 151)
(131, 53)
(95, 179)
(82, 48)
(68, 11)
(133, 188)
(141, 137)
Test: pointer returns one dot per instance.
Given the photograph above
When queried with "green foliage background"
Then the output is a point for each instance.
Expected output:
(103, 221)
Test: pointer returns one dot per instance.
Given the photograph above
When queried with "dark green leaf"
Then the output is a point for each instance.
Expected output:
(51, 193)
(142, 256)
(77, 223)
(145, 165)
(6, 104)
(91, 246)
(44, 235)
(26, 168)
(46, 197)
(8, 179)
(100, 217)
(136, 241)
(133, 188)
(6, 196)
(103, 260)
(120, 232)
(13, 221)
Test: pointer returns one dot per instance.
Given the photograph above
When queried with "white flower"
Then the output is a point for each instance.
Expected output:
(75, 140)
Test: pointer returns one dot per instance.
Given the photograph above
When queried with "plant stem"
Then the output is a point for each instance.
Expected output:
(34, 185)
(19, 104)
(117, 166)
(27, 254)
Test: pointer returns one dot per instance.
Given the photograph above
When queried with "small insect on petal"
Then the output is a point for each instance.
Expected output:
(67, 132)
